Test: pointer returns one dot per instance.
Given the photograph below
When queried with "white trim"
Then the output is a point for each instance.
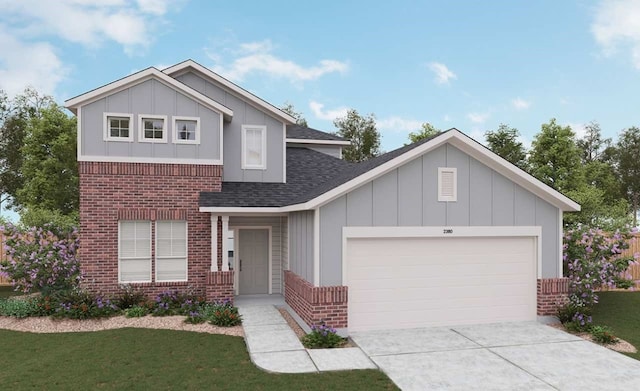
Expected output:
(181, 68)
(439, 232)
(175, 139)
(243, 210)
(448, 198)
(263, 152)
(321, 142)
(106, 129)
(284, 153)
(237, 255)
(186, 258)
(129, 159)
(139, 77)
(79, 134)
(150, 254)
(214, 243)
(560, 245)
(316, 247)
(141, 136)
(221, 146)
(225, 237)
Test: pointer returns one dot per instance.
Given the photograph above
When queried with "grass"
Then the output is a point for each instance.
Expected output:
(621, 312)
(6, 291)
(144, 359)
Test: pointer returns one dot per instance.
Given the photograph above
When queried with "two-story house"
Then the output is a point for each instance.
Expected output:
(188, 181)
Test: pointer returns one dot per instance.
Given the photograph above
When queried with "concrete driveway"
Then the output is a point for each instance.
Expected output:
(503, 356)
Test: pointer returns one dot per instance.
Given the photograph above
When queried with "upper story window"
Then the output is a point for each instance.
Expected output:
(152, 128)
(118, 127)
(254, 147)
(186, 130)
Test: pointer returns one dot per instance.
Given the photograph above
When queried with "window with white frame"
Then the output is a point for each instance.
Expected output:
(186, 130)
(171, 251)
(152, 128)
(118, 127)
(254, 147)
(134, 251)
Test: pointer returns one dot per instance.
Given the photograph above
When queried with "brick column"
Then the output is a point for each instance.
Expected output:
(314, 304)
(552, 293)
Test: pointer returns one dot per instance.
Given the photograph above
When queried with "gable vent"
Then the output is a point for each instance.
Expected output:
(447, 184)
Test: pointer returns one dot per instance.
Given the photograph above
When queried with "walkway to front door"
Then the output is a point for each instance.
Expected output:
(253, 256)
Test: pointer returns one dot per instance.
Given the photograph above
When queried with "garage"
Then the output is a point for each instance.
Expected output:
(404, 277)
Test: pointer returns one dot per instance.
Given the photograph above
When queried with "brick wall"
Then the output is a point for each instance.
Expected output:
(314, 305)
(552, 292)
(143, 191)
(220, 286)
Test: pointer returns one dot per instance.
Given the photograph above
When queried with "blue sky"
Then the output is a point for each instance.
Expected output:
(465, 64)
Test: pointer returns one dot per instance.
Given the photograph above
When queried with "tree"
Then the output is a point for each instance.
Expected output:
(49, 168)
(596, 210)
(555, 157)
(627, 157)
(14, 118)
(365, 138)
(504, 142)
(592, 145)
(426, 131)
(289, 109)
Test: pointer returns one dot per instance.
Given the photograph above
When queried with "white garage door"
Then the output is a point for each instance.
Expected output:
(404, 282)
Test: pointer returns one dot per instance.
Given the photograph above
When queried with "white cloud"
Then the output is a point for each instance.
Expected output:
(258, 57)
(87, 22)
(579, 129)
(328, 115)
(446, 118)
(520, 104)
(25, 64)
(478, 118)
(617, 25)
(398, 124)
(442, 73)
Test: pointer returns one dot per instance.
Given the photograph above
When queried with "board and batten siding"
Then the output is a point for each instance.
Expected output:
(301, 244)
(150, 97)
(407, 196)
(279, 243)
(243, 114)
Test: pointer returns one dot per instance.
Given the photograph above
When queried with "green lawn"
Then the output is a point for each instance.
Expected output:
(147, 359)
(621, 312)
(6, 291)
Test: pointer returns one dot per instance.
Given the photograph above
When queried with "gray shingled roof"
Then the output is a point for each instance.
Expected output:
(309, 175)
(304, 133)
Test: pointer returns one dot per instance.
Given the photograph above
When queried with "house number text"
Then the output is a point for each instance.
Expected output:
(447, 231)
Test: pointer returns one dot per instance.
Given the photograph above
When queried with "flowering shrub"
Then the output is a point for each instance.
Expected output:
(129, 296)
(80, 304)
(39, 259)
(224, 314)
(321, 337)
(176, 303)
(592, 260)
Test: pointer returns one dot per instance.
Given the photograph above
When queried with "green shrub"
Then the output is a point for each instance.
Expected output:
(322, 337)
(224, 314)
(136, 312)
(603, 335)
(129, 296)
(80, 304)
(18, 307)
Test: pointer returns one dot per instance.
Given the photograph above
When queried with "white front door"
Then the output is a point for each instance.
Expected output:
(253, 261)
(405, 282)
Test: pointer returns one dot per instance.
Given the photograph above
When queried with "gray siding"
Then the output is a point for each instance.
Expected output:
(149, 97)
(331, 150)
(407, 196)
(301, 244)
(279, 245)
(243, 114)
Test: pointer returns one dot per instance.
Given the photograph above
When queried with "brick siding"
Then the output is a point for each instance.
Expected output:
(111, 191)
(315, 305)
(552, 293)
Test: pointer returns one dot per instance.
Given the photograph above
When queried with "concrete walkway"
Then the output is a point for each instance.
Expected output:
(274, 347)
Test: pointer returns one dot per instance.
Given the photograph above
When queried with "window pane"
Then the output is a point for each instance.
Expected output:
(253, 153)
(115, 133)
(124, 132)
(115, 123)
(171, 269)
(148, 134)
(124, 123)
(135, 270)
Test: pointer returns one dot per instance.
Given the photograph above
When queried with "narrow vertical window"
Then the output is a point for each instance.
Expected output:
(171, 251)
(254, 147)
(134, 251)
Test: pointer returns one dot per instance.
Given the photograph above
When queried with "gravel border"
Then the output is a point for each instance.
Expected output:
(49, 325)
(621, 346)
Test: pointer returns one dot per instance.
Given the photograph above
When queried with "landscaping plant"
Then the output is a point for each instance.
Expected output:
(40, 258)
(592, 260)
(18, 307)
(603, 335)
(322, 337)
(136, 312)
(224, 314)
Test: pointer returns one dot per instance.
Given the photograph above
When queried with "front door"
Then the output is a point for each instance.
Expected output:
(253, 261)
